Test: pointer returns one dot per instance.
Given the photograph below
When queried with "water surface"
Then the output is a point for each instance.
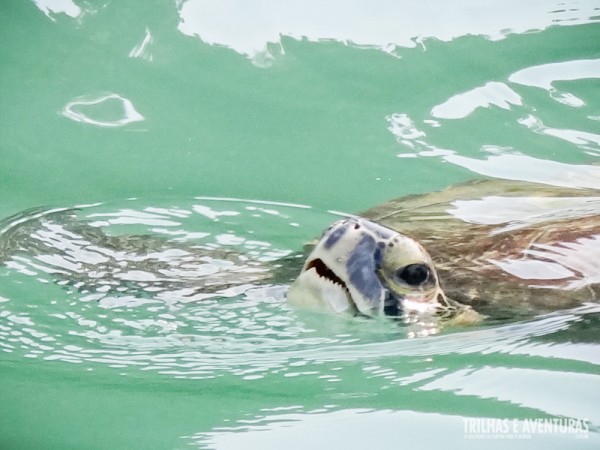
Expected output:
(157, 118)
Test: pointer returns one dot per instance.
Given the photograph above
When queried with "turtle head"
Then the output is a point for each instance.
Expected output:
(364, 268)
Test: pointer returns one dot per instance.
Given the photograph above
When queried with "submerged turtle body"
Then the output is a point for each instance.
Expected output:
(122, 269)
(506, 247)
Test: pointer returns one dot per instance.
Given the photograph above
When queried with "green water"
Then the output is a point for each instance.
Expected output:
(157, 108)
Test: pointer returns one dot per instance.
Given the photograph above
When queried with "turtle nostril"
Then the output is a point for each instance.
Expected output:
(414, 274)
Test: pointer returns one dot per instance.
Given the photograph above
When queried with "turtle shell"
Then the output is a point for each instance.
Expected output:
(506, 247)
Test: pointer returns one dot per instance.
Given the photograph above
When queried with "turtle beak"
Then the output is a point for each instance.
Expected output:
(341, 273)
(319, 287)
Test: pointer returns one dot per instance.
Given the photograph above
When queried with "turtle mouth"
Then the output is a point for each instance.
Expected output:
(325, 272)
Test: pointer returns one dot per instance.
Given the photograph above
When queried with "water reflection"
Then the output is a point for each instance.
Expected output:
(511, 166)
(141, 50)
(498, 162)
(51, 7)
(255, 29)
(506, 385)
(462, 105)
(359, 428)
(501, 95)
(589, 142)
(504, 161)
(544, 76)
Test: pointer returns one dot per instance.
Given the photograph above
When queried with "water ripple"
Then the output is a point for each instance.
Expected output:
(116, 286)
(496, 156)
(107, 111)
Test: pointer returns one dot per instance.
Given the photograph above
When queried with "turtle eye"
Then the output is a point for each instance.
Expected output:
(414, 274)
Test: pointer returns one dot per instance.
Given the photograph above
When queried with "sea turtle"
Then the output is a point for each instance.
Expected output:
(497, 247)
(504, 248)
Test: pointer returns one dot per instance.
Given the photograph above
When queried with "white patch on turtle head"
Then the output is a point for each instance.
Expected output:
(361, 267)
